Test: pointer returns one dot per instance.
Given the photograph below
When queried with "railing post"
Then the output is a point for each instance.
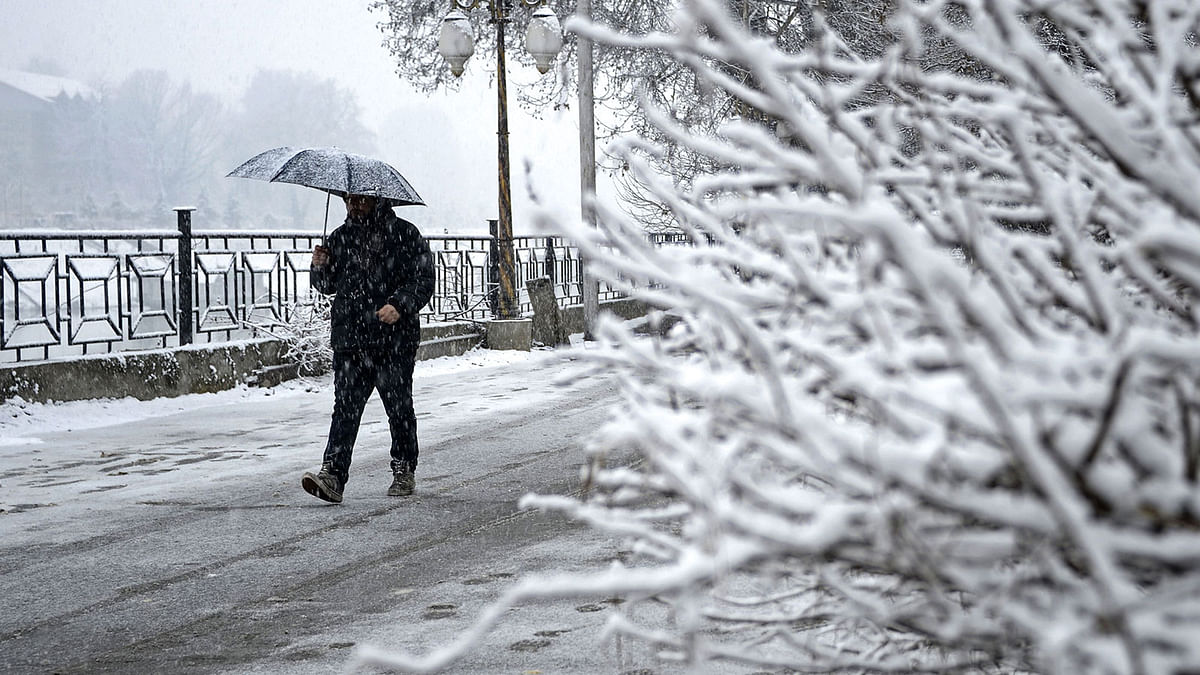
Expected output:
(550, 261)
(184, 256)
(494, 269)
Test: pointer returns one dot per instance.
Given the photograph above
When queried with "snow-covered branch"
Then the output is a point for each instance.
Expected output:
(304, 332)
(932, 399)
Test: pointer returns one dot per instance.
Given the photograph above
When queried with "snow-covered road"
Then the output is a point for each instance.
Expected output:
(172, 535)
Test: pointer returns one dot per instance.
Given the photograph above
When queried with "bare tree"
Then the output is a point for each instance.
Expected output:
(269, 116)
(930, 401)
(162, 136)
(281, 107)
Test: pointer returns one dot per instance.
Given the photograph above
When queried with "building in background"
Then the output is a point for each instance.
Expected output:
(35, 110)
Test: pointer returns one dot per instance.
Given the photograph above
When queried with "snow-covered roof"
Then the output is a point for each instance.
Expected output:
(45, 87)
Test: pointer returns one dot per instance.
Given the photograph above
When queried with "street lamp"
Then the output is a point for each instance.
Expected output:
(456, 44)
(543, 38)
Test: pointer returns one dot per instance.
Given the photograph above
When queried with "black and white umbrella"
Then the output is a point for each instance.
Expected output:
(330, 169)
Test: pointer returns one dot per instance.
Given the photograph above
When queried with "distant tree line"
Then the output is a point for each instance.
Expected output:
(126, 155)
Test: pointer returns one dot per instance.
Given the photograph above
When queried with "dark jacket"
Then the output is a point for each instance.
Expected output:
(383, 261)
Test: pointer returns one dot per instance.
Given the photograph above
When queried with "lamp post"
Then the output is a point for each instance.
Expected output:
(456, 44)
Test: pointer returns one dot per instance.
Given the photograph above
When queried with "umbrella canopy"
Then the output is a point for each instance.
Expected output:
(332, 170)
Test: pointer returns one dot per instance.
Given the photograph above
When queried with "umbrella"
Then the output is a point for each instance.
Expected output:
(330, 169)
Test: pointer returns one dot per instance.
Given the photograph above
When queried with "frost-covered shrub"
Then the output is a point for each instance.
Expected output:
(304, 332)
(930, 403)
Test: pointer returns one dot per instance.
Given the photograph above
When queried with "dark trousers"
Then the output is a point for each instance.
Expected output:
(355, 375)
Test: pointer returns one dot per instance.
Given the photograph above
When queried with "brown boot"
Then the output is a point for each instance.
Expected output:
(403, 482)
(322, 485)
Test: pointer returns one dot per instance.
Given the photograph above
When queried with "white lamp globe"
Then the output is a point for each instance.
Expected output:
(543, 39)
(456, 43)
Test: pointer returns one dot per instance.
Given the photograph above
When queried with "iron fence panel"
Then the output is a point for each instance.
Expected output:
(151, 290)
(93, 286)
(461, 281)
(262, 289)
(32, 315)
(215, 292)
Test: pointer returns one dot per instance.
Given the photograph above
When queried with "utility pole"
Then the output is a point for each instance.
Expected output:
(589, 287)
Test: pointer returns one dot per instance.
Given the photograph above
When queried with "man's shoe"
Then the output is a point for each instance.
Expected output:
(403, 482)
(322, 485)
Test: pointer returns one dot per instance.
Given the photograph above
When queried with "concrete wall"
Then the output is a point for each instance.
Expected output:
(142, 375)
(195, 369)
(572, 317)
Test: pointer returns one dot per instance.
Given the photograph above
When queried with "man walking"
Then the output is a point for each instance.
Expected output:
(379, 269)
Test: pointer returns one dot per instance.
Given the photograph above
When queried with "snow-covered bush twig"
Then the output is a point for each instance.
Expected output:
(933, 400)
(304, 332)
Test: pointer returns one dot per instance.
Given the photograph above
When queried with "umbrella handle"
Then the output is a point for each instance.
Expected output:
(324, 231)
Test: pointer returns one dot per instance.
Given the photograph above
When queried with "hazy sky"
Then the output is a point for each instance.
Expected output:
(444, 144)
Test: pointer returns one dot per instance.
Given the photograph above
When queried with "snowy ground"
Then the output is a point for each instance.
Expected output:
(172, 534)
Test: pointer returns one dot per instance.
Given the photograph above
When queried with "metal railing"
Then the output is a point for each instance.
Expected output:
(69, 294)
